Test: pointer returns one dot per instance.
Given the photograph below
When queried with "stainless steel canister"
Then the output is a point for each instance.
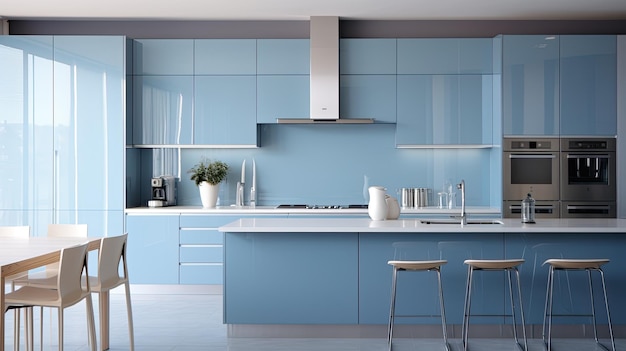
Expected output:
(423, 197)
(407, 198)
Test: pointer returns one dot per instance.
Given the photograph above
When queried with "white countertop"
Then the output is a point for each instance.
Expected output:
(365, 225)
(272, 210)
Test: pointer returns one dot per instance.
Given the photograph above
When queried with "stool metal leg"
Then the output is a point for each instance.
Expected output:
(521, 308)
(443, 311)
(606, 303)
(466, 310)
(547, 318)
(393, 306)
(593, 307)
(508, 273)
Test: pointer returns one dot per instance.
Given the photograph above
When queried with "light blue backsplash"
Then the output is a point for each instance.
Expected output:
(334, 164)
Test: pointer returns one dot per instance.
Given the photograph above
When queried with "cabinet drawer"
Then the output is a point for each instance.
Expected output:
(202, 273)
(201, 253)
(206, 221)
(201, 236)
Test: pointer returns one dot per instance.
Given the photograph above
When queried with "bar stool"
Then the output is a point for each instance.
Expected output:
(587, 265)
(416, 266)
(494, 265)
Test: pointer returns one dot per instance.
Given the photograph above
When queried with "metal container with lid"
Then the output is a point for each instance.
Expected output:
(528, 209)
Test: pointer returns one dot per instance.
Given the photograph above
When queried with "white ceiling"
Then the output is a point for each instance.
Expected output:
(303, 9)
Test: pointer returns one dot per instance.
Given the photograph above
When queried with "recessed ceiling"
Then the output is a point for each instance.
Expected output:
(303, 9)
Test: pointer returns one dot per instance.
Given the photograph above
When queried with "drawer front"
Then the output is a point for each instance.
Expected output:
(202, 274)
(201, 254)
(201, 236)
(206, 221)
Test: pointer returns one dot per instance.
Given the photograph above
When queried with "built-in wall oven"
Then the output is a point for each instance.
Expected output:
(588, 177)
(531, 166)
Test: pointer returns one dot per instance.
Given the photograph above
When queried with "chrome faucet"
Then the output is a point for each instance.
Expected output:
(461, 186)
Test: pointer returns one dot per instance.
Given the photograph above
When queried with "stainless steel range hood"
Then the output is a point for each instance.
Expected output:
(324, 98)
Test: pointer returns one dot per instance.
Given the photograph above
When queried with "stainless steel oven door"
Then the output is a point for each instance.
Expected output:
(536, 173)
(578, 209)
(588, 176)
(543, 209)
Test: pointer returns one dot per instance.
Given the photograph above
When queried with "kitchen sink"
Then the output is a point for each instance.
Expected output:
(458, 221)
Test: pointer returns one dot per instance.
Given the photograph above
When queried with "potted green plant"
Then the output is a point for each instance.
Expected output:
(207, 176)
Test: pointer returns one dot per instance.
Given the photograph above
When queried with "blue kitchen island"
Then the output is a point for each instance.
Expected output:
(330, 275)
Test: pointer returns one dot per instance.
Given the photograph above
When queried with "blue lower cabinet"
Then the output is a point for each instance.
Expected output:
(291, 278)
(417, 292)
(153, 249)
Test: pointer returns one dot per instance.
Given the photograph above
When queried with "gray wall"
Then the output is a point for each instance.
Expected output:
(300, 29)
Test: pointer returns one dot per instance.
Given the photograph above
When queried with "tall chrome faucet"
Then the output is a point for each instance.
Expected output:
(461, 186)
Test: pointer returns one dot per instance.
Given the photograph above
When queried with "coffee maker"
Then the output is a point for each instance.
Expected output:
(163, 191)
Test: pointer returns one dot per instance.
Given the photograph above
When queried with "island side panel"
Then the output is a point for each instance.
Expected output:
(571, 289)
(291, 278)
(417, 292)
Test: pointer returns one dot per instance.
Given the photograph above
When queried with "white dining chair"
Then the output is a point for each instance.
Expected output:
(111, 255)
(17, 232)
(69, 291)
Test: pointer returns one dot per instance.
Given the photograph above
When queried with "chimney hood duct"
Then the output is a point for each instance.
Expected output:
(324, 80)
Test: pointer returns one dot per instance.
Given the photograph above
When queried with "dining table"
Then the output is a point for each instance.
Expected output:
(23, 254)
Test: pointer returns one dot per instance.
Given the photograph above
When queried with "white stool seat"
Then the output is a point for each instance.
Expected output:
(559, 263)
(417, 265)
(494, 264)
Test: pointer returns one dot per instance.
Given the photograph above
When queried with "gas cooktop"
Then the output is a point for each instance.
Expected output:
(320, 207)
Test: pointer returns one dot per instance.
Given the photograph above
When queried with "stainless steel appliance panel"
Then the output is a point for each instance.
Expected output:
(531, 166)
(577, 209)
(588, 169)
(543, 209)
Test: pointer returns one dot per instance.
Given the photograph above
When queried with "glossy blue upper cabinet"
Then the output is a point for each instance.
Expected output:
(163, 57)
(89, 112)
(163, 110)
(367, 56)
(225, 110)
(445, 56)
(26, 131)
(530, 85)
(588, 85)
(283, 88)
(225, 56)
(283, 56)
(444, 110)
(368, 79)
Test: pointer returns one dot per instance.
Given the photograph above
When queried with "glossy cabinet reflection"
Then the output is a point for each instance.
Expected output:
(282, 79)
(445, 92)
(588, 65)
(65, 107)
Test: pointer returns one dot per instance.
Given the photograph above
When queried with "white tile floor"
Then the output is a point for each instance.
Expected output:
(194, 323)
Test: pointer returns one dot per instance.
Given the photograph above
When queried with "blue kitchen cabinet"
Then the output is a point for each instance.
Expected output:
(368, 79)
(67, 137)
(224, 56)
(368, 96)
(163, 57)
(283, 88)
(417, 290)
(153, 248)
(163, 110)
(445, 56)
(530, 85)
(588, 82)
(268, 275)
(444, 110)
(367, 56)
(225, 110)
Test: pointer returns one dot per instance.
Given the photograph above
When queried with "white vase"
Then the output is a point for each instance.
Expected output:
(208, 194)
(377, 206)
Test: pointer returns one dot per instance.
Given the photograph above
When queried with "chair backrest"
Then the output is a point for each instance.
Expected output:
(15, 231)
(112, 252)
(72, 264)
(73, 230)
